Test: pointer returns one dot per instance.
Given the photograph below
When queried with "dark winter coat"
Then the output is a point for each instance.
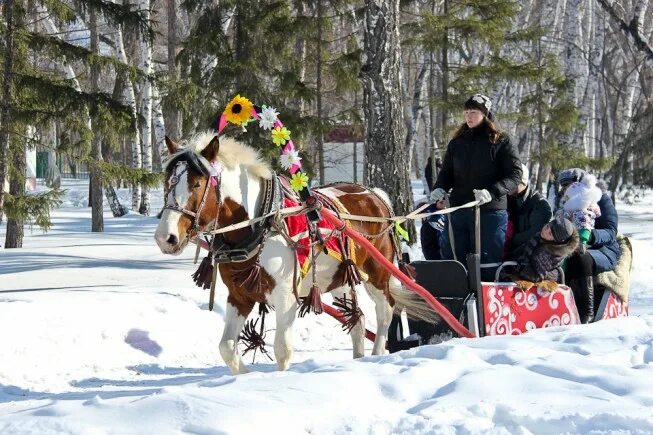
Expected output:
(603, 245)
(473, 162)
(428, 174)
(528, 212)
(540, 259)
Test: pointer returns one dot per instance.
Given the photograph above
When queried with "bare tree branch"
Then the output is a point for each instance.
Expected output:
(632, 31)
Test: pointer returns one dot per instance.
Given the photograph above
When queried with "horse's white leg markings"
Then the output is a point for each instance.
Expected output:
(277, 259)
(234, 323)
(383, 318)
(285, 306)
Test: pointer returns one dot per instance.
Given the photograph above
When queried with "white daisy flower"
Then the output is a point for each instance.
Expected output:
(287, 160)
(268, 117)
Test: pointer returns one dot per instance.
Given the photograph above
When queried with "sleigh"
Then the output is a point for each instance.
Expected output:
(493, 308)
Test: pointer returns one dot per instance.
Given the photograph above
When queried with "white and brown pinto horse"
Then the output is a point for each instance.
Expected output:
(237, 198)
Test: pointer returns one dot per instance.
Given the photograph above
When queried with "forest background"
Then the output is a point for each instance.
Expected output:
(102, 82)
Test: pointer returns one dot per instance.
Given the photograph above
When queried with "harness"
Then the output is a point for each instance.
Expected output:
(243, 250)
(220, 248)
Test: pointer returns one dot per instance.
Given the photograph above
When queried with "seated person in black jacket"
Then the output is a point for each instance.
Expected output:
(544, 254)
(529, 212)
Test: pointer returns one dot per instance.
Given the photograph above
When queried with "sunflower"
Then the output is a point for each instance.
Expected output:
(280, 135)
(298, 181)
(239, 110)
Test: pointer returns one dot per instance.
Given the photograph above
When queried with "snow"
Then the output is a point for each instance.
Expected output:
(101, 333)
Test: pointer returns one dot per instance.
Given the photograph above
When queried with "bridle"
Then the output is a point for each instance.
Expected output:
(213, 179)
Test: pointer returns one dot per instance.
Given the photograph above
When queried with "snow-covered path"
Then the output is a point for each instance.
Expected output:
(101, 333)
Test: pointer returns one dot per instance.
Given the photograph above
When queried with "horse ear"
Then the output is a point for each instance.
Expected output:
(210, 152)
(172, 146)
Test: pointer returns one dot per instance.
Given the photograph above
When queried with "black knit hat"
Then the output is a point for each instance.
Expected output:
(561, 229)
(480, 102)
(571, 175)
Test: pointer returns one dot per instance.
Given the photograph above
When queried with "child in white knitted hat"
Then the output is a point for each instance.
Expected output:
(579, 204)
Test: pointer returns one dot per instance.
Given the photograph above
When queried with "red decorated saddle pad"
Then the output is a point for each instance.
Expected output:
(298, 231)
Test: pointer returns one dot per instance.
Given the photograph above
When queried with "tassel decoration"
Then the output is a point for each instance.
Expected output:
(350, 312)
(352, 277)
(204, 274)
(313, 302)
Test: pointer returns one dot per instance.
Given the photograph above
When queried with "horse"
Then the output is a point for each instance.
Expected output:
(193, 204)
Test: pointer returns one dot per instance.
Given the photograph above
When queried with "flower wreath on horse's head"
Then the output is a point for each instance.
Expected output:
(241, 111)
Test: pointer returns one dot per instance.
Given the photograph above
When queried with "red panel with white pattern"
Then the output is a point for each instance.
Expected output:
(508, 310)
(615, 308)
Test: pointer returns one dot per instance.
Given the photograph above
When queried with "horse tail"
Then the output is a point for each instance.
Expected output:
(416, 307)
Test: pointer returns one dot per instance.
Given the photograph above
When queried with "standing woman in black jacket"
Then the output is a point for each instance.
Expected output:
(480, 164)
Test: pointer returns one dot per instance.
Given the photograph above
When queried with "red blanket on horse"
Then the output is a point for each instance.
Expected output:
(298, 231)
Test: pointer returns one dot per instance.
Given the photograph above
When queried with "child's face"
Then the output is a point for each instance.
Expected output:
(546, 234)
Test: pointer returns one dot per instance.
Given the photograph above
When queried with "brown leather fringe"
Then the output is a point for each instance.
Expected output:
(313, 302)
(253, 339)
(204, 274)
(249, 279)
(350, 312)
(352, 277)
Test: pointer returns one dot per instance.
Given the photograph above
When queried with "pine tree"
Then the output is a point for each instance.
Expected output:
(36, 95)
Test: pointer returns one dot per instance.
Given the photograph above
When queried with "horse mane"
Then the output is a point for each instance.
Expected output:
(233, 153)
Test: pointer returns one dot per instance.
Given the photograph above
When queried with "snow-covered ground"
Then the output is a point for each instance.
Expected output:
(101, 333)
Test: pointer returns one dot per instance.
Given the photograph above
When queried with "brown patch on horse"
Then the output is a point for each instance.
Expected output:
(234, 275)
(359, 200)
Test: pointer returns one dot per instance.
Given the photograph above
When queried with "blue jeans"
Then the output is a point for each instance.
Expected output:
(493, 237)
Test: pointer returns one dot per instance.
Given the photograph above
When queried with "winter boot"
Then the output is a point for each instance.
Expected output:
(588, 290)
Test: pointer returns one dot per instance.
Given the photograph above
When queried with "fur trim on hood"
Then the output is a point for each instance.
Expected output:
(618, 280)
(563, 249)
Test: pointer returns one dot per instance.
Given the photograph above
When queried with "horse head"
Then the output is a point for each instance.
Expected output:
(190, 200)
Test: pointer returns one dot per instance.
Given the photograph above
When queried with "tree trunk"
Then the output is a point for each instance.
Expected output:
(15, 227)
(146, 110)
(387, 157)
(172, 118)
(445, 77)
(5, 115)
(159, 127)
(97, 218)
(129, 98)
(415, 115)
(318, 81)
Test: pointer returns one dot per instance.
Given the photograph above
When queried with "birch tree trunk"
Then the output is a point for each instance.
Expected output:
(97, 218)
(574, 68)
(129, 98)
(116, 208)
(159, 124)
(146, 109)
(172, 119)
(415, 115)
(387, 157)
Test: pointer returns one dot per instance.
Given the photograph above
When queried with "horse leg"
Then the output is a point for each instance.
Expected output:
(357, 333)
(233, 325)
(285, 306)
(383, 318)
